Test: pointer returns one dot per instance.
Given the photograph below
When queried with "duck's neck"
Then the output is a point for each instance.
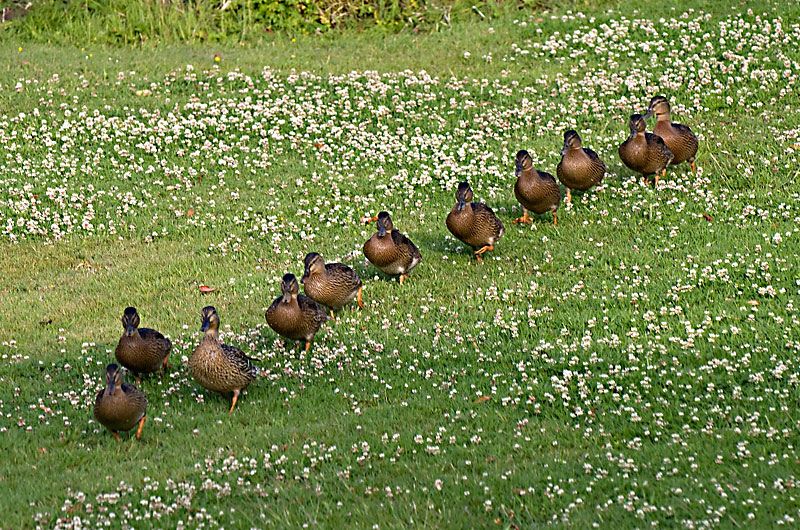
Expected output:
(211, 334)
(664, 118)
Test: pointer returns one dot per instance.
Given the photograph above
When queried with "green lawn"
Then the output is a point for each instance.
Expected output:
(640, 359)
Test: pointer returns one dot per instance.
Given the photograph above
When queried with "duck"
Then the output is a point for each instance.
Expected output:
(644, 152)
(580, 168)
(219, 367)
(141, 350)
(474, 223)
(389, 250)
(330, 284)
(535, 190)
(679, 138)
(293, 315)
(120, 406)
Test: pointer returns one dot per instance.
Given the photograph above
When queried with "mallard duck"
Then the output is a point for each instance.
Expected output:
(141, 350)
(679, 138)
(580, 168)
(330, 284)
(120, 406)
(474, 223)
(643, 152)
(220, 367)
(391, 251)
(536, 191)
(293, 315)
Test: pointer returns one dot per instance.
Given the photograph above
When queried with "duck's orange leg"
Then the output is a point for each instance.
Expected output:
(141, 425)
(555, 219)
(331, 310)
(235, 399)
(116, 435)
(308, 346)
(358, 297)
(487, 248)
(694, 168)
(524, 219)
(569, 195)
(403, 277)
(164, 364)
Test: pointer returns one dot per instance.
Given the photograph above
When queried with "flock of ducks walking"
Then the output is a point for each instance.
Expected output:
(226, 369)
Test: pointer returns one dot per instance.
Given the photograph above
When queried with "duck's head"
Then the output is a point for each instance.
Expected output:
(130, 321)
(314, 264)
(289, 287)
(113, 378)
(658, 106)
(209, 319)
(384, 224)
(571, 141)
(463, 194)
(524, 162)
(637, 124)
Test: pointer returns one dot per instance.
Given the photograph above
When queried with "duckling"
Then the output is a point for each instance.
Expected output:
(474, 223)
(219, 367)
(679, 138)
(120, 406)
(644, 152)
(580, 168)
(395, 254)
(293, 315)
(331, 284)
(536, 191)
(141, 350)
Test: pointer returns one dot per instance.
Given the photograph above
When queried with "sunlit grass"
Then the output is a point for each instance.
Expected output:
(634, 365)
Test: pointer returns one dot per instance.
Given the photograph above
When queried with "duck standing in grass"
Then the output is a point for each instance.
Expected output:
(679, 138)
(389, 250)
(580, 168)
(644, 152)
(120, 406)
(219, 367)
(293, 315)
(141, 350)
(330, 284)
(536, 191)
(474, 223)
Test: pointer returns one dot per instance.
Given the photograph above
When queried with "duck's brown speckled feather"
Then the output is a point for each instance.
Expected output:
(336, 287)
(680, 139)
(122, 410)
(646, 154)
(299, 319)
(580, 169)
(220, 367)
(476, 225)
(143, 353)
(537, 191)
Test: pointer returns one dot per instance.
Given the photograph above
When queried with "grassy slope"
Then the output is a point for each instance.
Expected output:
(350, 390)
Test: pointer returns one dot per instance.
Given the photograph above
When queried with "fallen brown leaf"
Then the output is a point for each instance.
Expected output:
(482, 399)
(708, 217)
(206, 289)
(189, 213)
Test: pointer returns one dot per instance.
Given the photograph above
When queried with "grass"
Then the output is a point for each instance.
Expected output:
(639, 358)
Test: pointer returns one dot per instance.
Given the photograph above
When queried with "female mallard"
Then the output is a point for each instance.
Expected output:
(679, 138)
(219, 367)
(120, 406)
(391, 251)
(474, 223)
(536, 191)
(293, 315)
(643, 152)
(330, 284)
(580, 168)
(141, 350)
